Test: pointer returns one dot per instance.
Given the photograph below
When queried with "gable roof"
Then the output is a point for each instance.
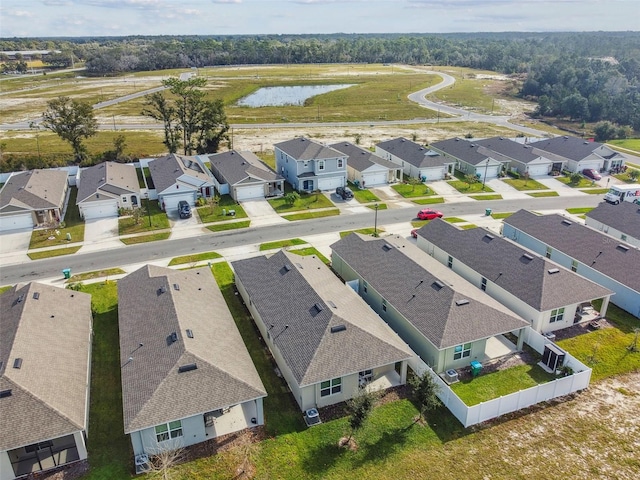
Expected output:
(302, 148)
(510, 149)
(234, 167)
(462, 149)
(34, 190)
(537, 281)
(52, 336)
(596, 250)
(299, 300)
(113, 179)
(361, 159)
(440, 304)
(412, 153)
(573, 148)
(153, 304)
(165, 171)
(624, 217)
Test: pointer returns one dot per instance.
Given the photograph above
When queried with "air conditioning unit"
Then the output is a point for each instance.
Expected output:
(451, 376)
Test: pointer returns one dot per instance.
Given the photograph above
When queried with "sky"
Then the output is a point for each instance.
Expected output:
(76, 18)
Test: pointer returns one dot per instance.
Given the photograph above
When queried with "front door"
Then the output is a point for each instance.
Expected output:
(307, 185)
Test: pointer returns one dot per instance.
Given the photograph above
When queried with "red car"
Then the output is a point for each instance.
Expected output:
(591, 173)
(429, 214)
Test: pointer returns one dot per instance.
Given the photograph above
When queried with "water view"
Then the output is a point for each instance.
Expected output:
(281, 96)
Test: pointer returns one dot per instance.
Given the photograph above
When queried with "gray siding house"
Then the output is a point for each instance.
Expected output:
(577, 154)
(545, 294)
(366, 169)
(308, 165)
(446, 320)
(45, 364)
(416, 161)
(620, 221)
(470, 158)
(517, 156)
(593, 254)
(186, 374)
(106, 187)
(326, 341)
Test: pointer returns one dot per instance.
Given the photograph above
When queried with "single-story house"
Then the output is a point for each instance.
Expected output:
(33, 198)
(45, 365)
(105, 188)
(446, 320)
(186, 373)
(589, 252)
(367, 169)
(545, 294)
(620, 221)
(244, 176)
(576, 154)
(470, 158)
(519, 157)
(309, 165)
(416, 161)
(326, 341)
(180, 177)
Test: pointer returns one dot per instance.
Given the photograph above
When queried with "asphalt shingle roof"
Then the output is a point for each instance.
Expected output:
(509, 149)
(462, 149)
(505, 264)
(153, 304)
(52, 336)
(285, 289)
(165, 171)
(361, 159)
(412, 153)
(35, 190)
(245, 167)
(406, 278)
(573, 148)
(111, 177)
(624, 217)
(302, 148)
(590, 247)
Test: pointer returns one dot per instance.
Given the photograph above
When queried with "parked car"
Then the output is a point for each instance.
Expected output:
(344, 192)
(184, 209)
(429, 214)
(592, 174)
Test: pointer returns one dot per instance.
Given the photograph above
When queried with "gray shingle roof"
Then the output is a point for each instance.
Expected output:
(573, 148)
(285, 297)
(111, 177)
(590, 247)
(361, 159)
(503, 263)
(461, 149)
(509, 149)
(305, 149)
(406, 278)
(34, 190)
(166, 170)
(52, 336)
(150, 310)
(624, 217)
(412, 153)
(234, 167)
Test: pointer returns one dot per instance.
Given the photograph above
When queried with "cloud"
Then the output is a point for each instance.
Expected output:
(57, 3)
(18, 13)
(226, 1)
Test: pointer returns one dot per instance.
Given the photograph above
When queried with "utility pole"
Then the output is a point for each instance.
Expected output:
(37, 127)
(375, 222)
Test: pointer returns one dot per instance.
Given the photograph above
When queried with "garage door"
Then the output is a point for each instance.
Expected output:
(15, 222)
(100, 210)
(373, 179)
(432, 173)
(535, 170)
(171, 201)
(248, 192)
(595, 164)
(492, 172)
(330, 183)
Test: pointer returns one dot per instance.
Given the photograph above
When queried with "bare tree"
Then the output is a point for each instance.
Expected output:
(163, 460)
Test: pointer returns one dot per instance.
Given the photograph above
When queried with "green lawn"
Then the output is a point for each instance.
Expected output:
(363, 195)
(523, 185)
(282, 244)
(550, 193)
(380, 206)
(58, 252)
(464, 187)
(595, 191)
(197, 257)
(154, 237)
(501, 215)
(140, 175)
(363, 231)
(579, 210)
(311, 251)
(310, 215)
(220, 212)
(73, 225)
(419, 223)
(454, 219)
(583, 183)
(468, 226)
(305, 202)
(626, 177)
(486, 197)
(411, 191)
(147, 176)
(97, 274)
(222, 227)
(628, 143)
(159, 220)
(428, 201)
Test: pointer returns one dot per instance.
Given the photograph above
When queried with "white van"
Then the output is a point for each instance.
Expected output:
(623, 193)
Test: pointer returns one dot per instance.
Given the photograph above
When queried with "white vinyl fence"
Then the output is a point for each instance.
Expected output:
(516, 401)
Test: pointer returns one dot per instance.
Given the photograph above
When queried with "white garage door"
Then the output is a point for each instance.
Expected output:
(595, 164)
(330, 183)
(432, 173)
(535, 170)
(15, 222)
(100, 210)
(171, 201)
(248, 192)
(492, 172)
(374, 179)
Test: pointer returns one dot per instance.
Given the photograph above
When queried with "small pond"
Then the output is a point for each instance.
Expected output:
(281, 96)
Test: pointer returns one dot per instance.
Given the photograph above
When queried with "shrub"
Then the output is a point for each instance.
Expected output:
(513, 174)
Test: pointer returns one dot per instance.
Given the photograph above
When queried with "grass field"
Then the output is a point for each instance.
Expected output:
(97, 274)
(411, 191)
(523, 185)
(428, 201)
(550, 193)
(282, 244)
(219, 213)
(154, 237)
(466, 188)
(310, 215)
(58, 252)
(197, 257)
(223, 227)
(305, 202)
(158, 220)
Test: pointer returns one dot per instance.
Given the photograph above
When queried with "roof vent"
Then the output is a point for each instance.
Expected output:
(20, 298)
(5, 393)
(526, 257)
(162, 290)
(176, 286)
(462, 301)
(36, 295)
(287, 267)
(189, 333)
(17, 363)
(487, 238)
(331, 304)
(318, 307)
(386, 247)
(624, 248)
(173, 338)
(553, 270)
(187, 368)
(338, 328)
(566, 222)
(437, 285)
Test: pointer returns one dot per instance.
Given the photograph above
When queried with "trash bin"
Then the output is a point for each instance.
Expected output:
(66, 272)
(476, 368)
(68, 237)
(487, 212)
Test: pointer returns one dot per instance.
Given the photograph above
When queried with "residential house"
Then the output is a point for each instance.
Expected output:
(519, 157)
(367, 169)
(180, 177)
(243, 176)
(547, 295)
(186, 373)
(45, 360)
(326, 342)
(309, 165)
(589, 252)
(33, 198)
(577, 154)
(105, 188)
(470, 158)
(618, 221)
(445, 319)
(416, 161)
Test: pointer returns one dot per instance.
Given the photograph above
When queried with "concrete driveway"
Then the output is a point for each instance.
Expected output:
(14, 245)
(261, 213)
(184, 227)
(101, 233)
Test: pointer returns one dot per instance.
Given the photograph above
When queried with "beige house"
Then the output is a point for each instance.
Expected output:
(105, 188)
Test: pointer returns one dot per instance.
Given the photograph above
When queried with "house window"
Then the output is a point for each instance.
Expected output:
(384, 305)
(557, 315)
(483, 284)
(340, 163)
(364, 286)
(548, 254)
(124, 199)
(320, 164)
(574, 265)
(331, 387)
(169, 430)
(450, 262)
(462, 351)
(365, 377)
